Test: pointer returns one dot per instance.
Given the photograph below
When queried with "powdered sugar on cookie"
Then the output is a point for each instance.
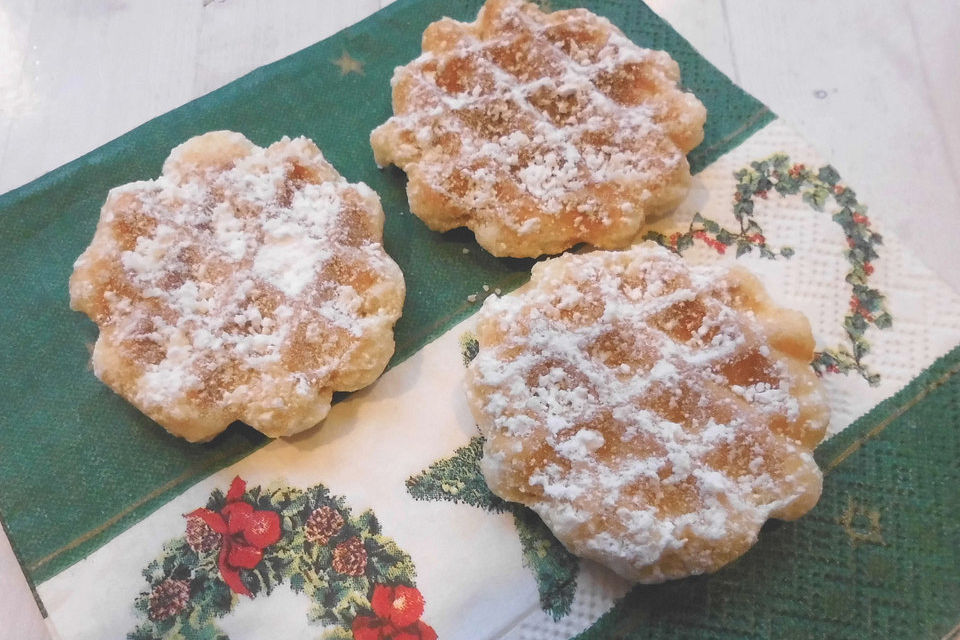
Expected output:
(641, 408)
(243, 283)
(539, 131)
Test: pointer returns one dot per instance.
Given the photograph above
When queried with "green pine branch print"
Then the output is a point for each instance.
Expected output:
(458, 479)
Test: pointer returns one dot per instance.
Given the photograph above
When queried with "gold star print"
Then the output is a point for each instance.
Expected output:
(855, 517)
(348, 64)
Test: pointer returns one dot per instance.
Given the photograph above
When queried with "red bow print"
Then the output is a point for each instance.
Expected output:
(397, 612)
(245, 533)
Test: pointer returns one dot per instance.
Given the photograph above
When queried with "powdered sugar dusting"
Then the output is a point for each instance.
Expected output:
(289, 264)
(557, 129)
(642, 393)
(240, 277)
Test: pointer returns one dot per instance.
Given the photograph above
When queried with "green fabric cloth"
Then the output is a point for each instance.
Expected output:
(78, 463)
(878, 557)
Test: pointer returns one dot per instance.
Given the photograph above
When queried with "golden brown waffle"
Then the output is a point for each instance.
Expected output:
(242, 284)
(652, 413)
(539, 131)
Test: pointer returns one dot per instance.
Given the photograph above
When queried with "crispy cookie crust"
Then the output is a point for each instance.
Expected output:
(539, 131)
(242, 284)
(654, 414)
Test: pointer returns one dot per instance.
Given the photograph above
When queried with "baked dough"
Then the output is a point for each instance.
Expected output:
(242, 284)
(539, 131)
(654, 414)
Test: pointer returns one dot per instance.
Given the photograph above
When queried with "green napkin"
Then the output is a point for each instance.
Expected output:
(79, 463)
(878, 557)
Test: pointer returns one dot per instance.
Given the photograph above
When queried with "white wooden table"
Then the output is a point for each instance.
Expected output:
(872, 83)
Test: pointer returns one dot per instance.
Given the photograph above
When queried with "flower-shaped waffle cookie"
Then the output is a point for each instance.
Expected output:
(242, 284)
(539, 131)
(652, 413)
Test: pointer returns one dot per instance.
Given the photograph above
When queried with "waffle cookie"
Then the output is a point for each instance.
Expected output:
(654, 414)
(242, 284)
(539, 131)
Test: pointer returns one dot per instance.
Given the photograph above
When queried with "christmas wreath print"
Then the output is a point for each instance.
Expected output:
(249, 541)
(779, 174)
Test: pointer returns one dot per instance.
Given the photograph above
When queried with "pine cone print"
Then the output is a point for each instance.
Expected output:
(323, 524)
(350, 558)
(168, 598)
(200, 536)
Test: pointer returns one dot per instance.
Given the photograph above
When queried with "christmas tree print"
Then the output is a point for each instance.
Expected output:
(458, 479)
